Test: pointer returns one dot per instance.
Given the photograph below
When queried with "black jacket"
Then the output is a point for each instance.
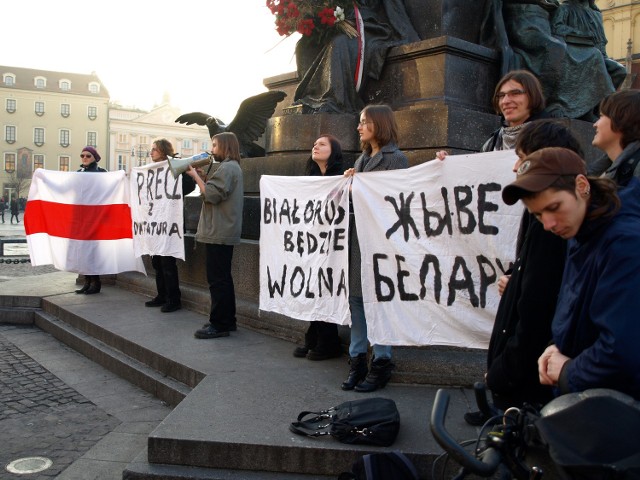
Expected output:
(522, 328)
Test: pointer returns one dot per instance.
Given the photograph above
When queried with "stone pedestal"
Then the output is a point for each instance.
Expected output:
(440, 89)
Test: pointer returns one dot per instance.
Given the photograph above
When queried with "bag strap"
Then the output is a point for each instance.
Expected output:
(309, 430)
(318, 416)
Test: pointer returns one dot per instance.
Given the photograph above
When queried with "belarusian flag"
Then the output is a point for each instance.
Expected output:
(80, 222)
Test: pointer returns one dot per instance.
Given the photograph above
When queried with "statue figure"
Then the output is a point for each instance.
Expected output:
(579, 24)
(328, 72)
(561, 42)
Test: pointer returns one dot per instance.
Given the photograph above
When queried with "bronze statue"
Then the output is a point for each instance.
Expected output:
(248, 125)
(562, 43)
(328, 72)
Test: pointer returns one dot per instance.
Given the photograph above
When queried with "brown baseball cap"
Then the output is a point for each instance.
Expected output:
(540, 169)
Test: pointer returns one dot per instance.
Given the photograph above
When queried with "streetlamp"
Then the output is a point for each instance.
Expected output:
(140, 152)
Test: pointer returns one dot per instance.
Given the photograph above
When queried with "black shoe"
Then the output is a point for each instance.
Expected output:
(156, 302)
(357, 371)
(476, 419)
(93, 288)
(300, 352)
(84, 288)
(232, 328)
(377, 377)
(210, 332)
(170, 307)
(314, 354)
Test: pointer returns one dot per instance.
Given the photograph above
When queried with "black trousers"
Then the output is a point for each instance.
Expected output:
(223, 296)
(322, 337)
(167, 281)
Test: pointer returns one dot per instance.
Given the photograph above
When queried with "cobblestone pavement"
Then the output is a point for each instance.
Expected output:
(41, 416)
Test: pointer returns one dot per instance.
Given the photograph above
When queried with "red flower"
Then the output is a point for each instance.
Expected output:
(292, 10)
(327, 17)
(306, 26)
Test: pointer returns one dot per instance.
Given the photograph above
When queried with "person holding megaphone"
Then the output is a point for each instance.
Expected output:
(167, 281)
(219, 228)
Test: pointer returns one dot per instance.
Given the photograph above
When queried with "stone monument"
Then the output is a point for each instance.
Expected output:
(440, 88)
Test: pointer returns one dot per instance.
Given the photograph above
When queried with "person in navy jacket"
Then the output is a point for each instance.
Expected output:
(595, 328)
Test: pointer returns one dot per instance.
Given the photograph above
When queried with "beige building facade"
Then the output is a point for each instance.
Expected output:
(131, 133)
(621, 20)
(46, 119)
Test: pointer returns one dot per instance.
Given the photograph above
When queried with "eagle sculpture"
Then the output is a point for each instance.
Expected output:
(248, 125)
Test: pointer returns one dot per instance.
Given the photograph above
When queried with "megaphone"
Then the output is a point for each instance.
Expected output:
(181, 165)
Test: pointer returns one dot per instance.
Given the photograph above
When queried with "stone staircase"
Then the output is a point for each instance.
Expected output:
(234, 397)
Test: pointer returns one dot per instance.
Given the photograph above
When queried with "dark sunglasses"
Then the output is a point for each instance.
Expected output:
(88, 155)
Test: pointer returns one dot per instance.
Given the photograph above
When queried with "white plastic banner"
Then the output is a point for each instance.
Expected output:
(434, 240)
(157, 211)
(304, 247)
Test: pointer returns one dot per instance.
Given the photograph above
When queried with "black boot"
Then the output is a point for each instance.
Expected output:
(95, 286)
(378, 376)
(85, 287)
(357, 371)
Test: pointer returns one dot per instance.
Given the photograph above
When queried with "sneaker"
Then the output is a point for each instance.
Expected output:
(170, 307)
(156, 302)
(210, 332)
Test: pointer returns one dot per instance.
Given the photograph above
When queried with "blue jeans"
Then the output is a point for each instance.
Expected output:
(359, 341)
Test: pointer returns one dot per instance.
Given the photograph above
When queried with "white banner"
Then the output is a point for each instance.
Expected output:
(304, 247)
(157, 211)
(434, 240)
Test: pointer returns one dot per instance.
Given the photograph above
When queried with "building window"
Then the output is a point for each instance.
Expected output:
(92, 139)
(10, 162)
(38, 161)
(9, 80)
(122, 163)
(65, 85)
(65, 110)
(39, 108)
(186, 144)
(10, 133)
(38, 136)
(64, 164)
(40, 82)
(122, 138)
(94, 87)
(205, 146)
(92, 113)
(11, 105)
(64, 138)
(143, 140)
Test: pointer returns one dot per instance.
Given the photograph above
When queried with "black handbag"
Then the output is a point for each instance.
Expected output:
(370, 421)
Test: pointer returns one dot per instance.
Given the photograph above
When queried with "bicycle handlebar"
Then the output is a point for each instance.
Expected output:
(491, 457)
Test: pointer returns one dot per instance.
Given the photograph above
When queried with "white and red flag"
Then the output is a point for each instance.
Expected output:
(80, 222)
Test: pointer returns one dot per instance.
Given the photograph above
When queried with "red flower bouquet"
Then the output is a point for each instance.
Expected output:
(317, 19)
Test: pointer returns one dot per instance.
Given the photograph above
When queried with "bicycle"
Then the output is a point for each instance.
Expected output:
(589, 435)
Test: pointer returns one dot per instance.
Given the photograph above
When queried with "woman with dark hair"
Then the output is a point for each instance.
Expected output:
(518, 98)
(220, 228)
(321, 341)
(595, 328)
(618, 135)
(90, 158)
(168, 296)
(378, 132)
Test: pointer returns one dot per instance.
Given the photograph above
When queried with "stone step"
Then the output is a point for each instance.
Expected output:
(17, 315)
(433, 365)
(140, 469)
(136, 372)
(234, 422)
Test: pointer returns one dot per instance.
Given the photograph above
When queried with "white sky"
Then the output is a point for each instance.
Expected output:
(209, 55)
